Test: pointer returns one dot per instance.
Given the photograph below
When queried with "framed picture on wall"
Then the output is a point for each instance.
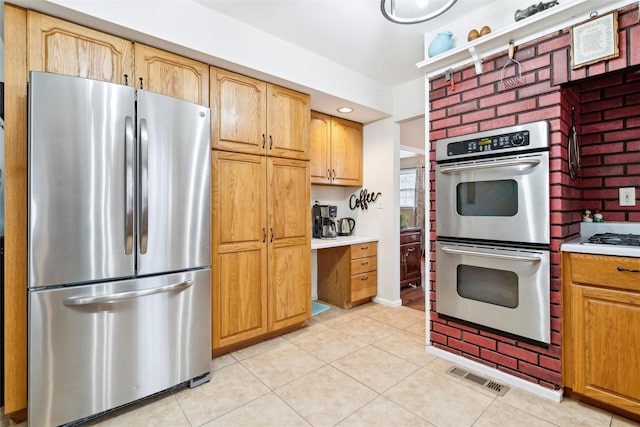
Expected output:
(595, 40)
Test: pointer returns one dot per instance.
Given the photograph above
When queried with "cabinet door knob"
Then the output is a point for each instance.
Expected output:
(264, 140)
(364, 263)
(271, 228)
(264, 234)
(411, 249)
(364, 278)
(270, 142)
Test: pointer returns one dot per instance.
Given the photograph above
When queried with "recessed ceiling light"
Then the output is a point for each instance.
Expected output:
(345, 109)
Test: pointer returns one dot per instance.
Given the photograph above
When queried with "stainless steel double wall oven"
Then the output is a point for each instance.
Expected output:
(492, 223)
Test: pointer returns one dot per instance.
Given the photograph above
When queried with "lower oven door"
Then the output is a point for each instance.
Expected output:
(499, 198)
(501, 288)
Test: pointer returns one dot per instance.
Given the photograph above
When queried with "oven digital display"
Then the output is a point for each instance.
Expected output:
(481, 145)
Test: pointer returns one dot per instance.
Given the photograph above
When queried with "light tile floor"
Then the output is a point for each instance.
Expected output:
(361, 367)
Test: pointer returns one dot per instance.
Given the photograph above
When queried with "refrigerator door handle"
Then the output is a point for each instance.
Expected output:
(144, 186)
(129, 184)
(101, 299)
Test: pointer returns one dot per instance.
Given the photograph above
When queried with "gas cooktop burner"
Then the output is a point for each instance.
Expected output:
(614, 239)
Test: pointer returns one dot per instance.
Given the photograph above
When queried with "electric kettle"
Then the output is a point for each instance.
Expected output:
(346, 226)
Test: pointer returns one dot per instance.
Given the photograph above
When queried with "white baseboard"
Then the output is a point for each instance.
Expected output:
(554, 395)
(390, 303)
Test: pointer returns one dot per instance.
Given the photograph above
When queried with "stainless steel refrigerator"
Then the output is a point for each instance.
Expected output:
(119, 254)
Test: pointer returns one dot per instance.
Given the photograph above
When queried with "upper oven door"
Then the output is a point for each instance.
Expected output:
(499, 198)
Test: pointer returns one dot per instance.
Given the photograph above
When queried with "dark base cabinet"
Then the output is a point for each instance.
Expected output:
(410, 257)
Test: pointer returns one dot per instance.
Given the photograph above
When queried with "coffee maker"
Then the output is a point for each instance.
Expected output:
(324, 221)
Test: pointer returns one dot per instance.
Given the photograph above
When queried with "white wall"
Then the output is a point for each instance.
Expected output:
(382, 219)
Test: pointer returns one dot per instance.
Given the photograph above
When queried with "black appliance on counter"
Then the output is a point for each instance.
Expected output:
(324, 221)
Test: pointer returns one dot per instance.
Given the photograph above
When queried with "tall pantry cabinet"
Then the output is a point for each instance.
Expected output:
(261, 222)
(34, 41)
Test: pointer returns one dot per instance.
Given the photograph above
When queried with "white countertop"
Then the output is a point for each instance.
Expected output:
(587, 229)
(340, 241)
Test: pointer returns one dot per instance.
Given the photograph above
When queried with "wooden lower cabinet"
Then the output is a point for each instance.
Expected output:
(261, 267)
(410, 257)
(347, 275)
(601, 320)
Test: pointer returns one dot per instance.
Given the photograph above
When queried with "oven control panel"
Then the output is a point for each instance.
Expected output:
(489, 143)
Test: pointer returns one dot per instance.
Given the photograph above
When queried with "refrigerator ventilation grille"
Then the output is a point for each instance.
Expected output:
(497, 388)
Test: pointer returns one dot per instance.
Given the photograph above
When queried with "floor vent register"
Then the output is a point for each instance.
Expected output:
(497, 388)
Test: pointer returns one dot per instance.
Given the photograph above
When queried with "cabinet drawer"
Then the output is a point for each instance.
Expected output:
(410, 237)
(607, 271)
(362, 265)
(364, 285)
(364, 250)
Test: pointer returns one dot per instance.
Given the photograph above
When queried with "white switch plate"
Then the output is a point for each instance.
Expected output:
(627, 196)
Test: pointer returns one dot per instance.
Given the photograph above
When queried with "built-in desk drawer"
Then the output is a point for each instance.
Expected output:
(364, 250)
(364, 285)
(362, 265)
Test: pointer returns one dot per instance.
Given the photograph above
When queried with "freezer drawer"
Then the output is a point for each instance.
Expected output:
(95, 347)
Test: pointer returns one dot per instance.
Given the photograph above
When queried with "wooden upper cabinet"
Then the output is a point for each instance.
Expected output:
(170, 74)
(336, 151)
(238, 112)
(346, 152)
(254, 117)
(320, 140)
(288, 115)
(58, 46)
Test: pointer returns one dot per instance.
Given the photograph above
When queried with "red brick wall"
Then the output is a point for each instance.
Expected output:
(610, 140)
(479, 103)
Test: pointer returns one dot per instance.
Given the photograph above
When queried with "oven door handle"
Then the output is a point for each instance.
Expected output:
(521, 258)
(496, 164)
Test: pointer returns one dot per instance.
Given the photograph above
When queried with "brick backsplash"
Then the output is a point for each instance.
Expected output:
(606, 100)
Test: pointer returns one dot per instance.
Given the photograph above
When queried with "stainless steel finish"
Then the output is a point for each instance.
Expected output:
(179, 209)
(489, 254)
(539, 139)
(129, 142)
(530, 318)
(489, 164)
(118, 246)
(99, 356)
(76, 180)
(126, 295)
(144, 186)
(529, 224)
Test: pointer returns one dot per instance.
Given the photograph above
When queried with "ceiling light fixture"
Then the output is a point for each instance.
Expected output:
(404, 15)
(345, 109)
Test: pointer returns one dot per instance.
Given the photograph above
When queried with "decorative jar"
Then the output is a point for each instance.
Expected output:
(441, 43)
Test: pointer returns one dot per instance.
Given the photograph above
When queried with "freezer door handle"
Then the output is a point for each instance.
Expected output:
(102, 299)
(144, 186)
(128, 218)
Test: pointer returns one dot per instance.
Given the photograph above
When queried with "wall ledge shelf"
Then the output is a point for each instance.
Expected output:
(556, 18)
